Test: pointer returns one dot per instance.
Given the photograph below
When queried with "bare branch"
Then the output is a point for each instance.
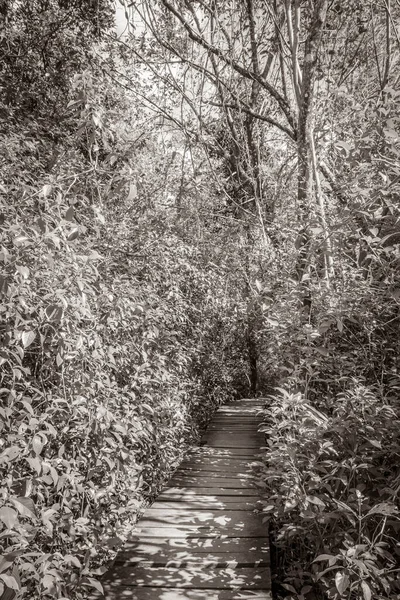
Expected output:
(258, 116)
(248, 74)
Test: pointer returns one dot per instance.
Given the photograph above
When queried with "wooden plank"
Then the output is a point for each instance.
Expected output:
(234, 454)
(227, 502)
(202, 539)
(219, 464)
(204, 500)
(208, 463)
(209, 473)
(162, 593)
(238, 414)
(233, 427)
(240, 411)
(239, 419)
(243, 552)
(238, 578)
(188, 492)
(193, 531)
(204, 560)
(226, 440)
(163, 549)
(227, 436)
(222, 466)
(214, 482)
(181, 516)
(225, 453)
(207, 470)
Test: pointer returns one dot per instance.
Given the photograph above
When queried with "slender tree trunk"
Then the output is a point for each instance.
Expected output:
(251, 325)
(305, 138)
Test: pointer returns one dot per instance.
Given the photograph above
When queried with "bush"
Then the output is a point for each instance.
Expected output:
(332, 493)
(111, 347)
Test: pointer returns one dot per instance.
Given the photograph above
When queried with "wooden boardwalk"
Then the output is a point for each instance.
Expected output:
(202, 539)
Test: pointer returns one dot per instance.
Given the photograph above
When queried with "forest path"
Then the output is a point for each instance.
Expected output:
(202, 539)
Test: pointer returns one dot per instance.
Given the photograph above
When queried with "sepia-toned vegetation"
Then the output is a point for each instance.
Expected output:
(203, 207)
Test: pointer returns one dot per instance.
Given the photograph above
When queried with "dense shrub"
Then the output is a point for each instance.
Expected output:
(118, 338)
(332, 494)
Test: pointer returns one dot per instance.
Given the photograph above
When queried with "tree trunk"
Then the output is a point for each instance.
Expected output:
(304, 138)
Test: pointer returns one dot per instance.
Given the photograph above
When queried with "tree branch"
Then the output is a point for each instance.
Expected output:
(282, 102)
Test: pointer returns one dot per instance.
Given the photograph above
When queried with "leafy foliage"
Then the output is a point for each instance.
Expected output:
(115, 322)
(177, 227)
(332, 481)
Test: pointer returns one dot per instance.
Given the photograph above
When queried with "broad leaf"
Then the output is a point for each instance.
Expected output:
(342, 581)
(9, 516)
(27, 338)
(366, 590)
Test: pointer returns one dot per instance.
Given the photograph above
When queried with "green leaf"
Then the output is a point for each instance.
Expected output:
(72, 560)
(323, 351)
(315, 500)
(48, 582)
(27, 338)
(24, 271)
(132, 192)
(3, 285)
(73, 235)
(25, 506)
(37, 444)
(9, 516)
(46, 190)
(94, 583)
(10, 581)
(375, 443)
(6, 561)
(341, 144)
(54, 313)
(322, 557)
(384, 508)
(305, 590)
(342, 581)
(391, 133)
(70, 214)
(366, 590)
(35, 464)
(41, 225)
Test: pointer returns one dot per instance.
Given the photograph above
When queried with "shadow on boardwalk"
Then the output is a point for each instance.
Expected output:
(202, 539)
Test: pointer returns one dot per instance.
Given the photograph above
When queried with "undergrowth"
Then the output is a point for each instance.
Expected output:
(332, 494)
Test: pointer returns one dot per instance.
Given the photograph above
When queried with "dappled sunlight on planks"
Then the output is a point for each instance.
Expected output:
(203, 538)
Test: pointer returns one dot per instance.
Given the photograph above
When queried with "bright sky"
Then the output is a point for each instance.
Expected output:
(120, 19)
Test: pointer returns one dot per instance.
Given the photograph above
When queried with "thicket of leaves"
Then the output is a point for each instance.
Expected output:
(119, 332)
(333, 494)
(143, 261)
(332, 477)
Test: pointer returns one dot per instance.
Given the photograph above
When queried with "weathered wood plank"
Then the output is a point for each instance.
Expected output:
(162, 550)
(203, 473)
(243, 519)
(195, 577)
(210, 470)
(225, 452)
(209, 502)
(216, 469)
(226, 441)
(193, 531)
(191, 491)
(202, 539)
(162, 593)
(203, 560)
(204, 481)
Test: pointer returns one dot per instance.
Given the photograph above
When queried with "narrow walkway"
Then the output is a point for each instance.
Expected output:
(201, 539)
